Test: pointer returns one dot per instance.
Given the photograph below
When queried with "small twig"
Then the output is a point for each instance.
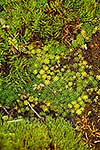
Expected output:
(15, 120)
(34, 110)
(4, 109)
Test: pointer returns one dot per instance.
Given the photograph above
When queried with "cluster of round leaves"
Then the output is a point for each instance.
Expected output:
(46, 64)
(77, 106)
(23, 106)
(89, 95)
(72, 70)
(68, 78)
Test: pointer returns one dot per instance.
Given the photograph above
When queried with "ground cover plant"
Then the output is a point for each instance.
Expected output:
(50, 62)
(57, 134)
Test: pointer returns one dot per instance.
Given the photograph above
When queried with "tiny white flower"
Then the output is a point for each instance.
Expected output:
(85, 46)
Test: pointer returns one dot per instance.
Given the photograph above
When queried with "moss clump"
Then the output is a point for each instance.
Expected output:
(52, 134)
